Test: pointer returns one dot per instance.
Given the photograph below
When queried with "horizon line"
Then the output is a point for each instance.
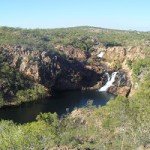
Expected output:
(78, 26)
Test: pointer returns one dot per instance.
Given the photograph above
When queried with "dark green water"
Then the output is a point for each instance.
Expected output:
(58, 103)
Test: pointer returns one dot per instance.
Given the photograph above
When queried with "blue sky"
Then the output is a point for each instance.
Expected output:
(118, 14)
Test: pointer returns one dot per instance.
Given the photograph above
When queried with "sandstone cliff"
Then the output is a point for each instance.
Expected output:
(71, 70)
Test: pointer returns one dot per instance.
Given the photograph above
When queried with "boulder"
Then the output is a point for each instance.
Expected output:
(123, 91)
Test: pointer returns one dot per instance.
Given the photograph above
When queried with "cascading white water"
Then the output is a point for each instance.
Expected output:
(101, 54)
(108, 76)
(110, 81)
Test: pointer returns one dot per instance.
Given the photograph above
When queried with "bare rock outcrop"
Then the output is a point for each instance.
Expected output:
(69, 68)
(52, 69)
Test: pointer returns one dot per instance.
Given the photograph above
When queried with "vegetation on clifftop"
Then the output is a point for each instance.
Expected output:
(47, 38)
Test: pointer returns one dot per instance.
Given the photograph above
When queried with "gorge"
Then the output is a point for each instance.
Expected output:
(74, 88)
(61, 68)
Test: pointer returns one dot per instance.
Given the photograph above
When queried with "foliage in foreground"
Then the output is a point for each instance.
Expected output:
(122, 124)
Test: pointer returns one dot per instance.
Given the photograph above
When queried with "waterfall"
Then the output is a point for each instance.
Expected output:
(101, 55)
(110, 81)
(108, 76)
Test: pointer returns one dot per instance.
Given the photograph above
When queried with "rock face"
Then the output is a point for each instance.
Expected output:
(73, 53)
(117, 58)
(69, 68)
(52, 69)
(114, 54)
